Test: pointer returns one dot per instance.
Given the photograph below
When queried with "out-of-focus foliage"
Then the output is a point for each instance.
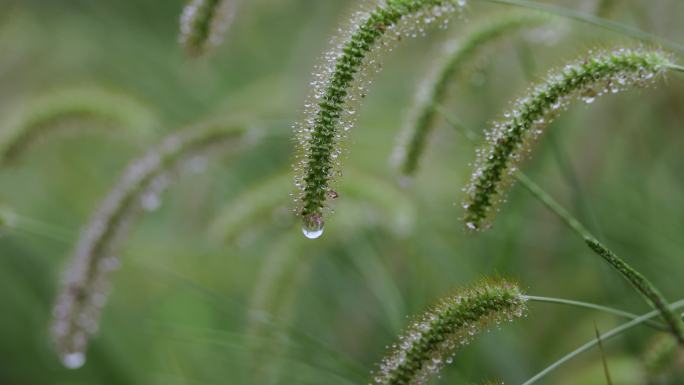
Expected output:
(182, 306)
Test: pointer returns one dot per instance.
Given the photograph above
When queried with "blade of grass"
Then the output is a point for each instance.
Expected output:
(606, 371)
(587, 305)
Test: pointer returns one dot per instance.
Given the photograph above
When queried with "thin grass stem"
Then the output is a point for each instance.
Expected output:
(587, 305)
(608, 335)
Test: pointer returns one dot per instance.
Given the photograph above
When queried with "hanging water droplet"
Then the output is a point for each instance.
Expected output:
(73, 360)
(312, 226)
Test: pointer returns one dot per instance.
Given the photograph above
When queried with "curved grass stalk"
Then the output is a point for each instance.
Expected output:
(510, 139)
(339, 83)
(435, 89)
(430, 342)
(203, 24)
(269, 198)
(86, 280)
(74, 107)
(604, 337)
(605, 309)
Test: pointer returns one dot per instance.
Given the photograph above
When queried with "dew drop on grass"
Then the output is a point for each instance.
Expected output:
(312, 233)
(73, 360)
(312, 226)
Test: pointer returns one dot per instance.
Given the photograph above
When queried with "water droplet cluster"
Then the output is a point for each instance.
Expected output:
(510, 140)
(342, 81)
(435, 88)
(203, 24)
(86, 281)
(432, 340)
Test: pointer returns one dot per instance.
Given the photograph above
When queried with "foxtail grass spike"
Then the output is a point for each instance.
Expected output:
(86, 281)
(510, 139)
(431, 341)
(73, 107)
(339, 84)
(204, 23)
(435, 88)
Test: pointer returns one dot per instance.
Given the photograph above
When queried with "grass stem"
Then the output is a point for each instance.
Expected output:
(603, 337)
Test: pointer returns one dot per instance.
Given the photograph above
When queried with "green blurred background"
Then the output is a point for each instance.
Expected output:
(183, 311)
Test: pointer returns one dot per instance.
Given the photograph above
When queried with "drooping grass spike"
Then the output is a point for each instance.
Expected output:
(74, 107)
(204, 23)
(85, 285)
(431, 341)
(435, 88)
(509, 140)
(340, 82)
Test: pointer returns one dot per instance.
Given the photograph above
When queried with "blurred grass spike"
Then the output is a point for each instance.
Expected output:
(340, 82)
(73, 107)
(204, 23)
(435, 88)
(510, 140)
(86, 280)
(431, 341)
